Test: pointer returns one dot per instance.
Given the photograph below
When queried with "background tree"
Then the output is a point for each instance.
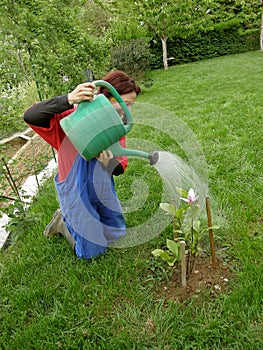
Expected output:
(244, 12)
(46, 47)
(53, 42)
(170, 19)
(130, 48)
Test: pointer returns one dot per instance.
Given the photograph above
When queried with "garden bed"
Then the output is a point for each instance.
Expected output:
(204, 281)
(22, 155)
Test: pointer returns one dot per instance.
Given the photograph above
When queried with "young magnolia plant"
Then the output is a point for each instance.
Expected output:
(186, 227)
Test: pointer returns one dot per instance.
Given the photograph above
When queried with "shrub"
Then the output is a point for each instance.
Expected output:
(14, 101)
(222, 40)
(132, 56)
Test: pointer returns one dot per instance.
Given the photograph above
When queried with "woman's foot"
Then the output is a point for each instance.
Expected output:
(54, 227)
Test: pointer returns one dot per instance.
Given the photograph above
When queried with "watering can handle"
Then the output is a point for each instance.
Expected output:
(116, 95)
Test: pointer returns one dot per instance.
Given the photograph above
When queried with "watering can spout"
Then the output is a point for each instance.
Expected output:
(118, 150)
(153, 157)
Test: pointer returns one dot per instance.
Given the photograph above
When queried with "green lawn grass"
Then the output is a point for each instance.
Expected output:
(51, 300)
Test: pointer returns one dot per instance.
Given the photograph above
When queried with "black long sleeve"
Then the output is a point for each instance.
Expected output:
(114, 167)
(40, 113)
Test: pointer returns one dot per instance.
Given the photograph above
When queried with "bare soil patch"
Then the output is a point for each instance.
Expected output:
(204, 281)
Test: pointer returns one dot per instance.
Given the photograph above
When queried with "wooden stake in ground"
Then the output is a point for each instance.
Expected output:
(210, 230)
(183, 263)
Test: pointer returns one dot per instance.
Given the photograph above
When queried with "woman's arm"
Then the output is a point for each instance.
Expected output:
(40, 113)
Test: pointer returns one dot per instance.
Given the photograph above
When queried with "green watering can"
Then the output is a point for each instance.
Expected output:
(95, 126)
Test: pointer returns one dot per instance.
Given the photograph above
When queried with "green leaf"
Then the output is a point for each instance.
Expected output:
(214, 227)
(173, 247)
(183, 193)
(179, 214)
(167, 258)
(171, 263)
(180, 232)
(157, 252)
(169, 208)
(164, 255)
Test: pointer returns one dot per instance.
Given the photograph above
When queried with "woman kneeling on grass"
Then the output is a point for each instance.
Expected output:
(90, 215)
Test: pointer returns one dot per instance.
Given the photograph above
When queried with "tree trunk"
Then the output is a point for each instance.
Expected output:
(261, 27)
(164, 46)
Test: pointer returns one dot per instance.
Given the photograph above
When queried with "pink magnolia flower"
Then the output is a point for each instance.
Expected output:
(191, 197)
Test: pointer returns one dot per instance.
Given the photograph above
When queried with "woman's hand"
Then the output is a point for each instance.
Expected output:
(83, 92)
(105, 157)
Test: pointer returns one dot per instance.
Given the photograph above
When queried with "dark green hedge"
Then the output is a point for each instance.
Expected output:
(199, 46)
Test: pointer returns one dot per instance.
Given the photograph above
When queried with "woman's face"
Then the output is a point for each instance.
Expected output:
(128, 99)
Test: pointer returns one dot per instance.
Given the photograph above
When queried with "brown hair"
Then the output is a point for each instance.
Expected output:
(122, 82)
